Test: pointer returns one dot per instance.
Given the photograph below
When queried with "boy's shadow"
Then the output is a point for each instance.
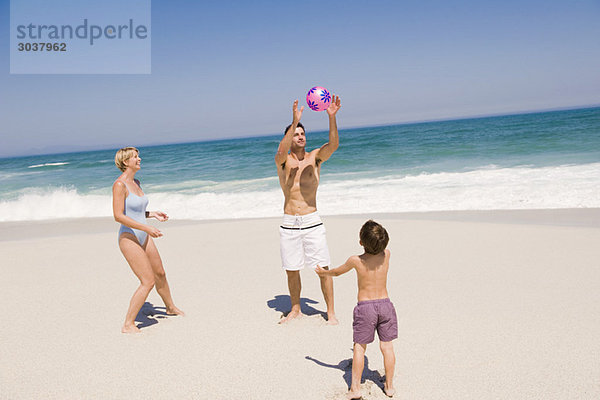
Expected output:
(149, 315)
(282, 303)
(346, 367)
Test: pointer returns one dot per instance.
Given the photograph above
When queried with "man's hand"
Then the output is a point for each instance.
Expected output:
(334, 106)
(296, 115)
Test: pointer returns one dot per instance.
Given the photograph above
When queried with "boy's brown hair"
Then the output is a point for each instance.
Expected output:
(374, 237)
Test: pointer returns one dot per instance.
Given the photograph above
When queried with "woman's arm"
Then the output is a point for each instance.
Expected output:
(159, 215)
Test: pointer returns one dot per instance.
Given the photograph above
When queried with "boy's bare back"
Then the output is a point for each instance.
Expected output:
(371, 272)
(371, 266)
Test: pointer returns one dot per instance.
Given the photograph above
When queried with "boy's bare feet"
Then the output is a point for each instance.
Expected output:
(351, 395)
(130, 329)
(332, 320)
(389, 392)
(291, 316)
(175, 311)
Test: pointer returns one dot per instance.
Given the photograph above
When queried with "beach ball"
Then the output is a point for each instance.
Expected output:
(318, 98)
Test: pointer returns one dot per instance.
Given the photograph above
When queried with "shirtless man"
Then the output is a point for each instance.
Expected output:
(302, 234)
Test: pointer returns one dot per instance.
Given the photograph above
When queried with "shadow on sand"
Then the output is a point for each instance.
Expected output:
(149, 315)
(346, 367)
(283, 304)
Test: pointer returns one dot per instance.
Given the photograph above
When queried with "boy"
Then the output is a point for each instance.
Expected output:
(374, 310)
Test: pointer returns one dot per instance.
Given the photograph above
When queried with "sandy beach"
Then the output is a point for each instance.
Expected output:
(491, 305)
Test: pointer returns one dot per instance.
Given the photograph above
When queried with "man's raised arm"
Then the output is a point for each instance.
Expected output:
(286, 142)
(334, 140)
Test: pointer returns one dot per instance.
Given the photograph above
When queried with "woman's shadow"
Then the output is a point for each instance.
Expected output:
(282, 303)
(346, 367)
(149, 315)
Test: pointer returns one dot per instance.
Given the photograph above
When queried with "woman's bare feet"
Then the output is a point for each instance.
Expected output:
(389, 392)
(352, 394)
(332, 320)
(130, 329)
(291, 316)
(175, 311)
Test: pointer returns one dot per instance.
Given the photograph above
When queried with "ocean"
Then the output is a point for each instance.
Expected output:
(525, 161)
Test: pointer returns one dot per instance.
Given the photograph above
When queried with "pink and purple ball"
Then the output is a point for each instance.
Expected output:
(318, 98)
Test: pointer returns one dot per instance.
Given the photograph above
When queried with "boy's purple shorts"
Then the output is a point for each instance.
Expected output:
(371, 315)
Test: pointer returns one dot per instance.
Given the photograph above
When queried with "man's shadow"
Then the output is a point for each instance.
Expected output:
(149, 315)
(346, 367)
(283, 304)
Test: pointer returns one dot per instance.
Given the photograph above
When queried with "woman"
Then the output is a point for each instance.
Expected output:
(135, 237)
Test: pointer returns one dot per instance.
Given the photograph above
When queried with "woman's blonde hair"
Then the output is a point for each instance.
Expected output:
(123, 155)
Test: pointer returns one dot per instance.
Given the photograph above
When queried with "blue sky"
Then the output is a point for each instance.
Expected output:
(233, 69)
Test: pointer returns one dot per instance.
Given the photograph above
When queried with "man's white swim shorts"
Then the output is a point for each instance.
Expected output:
(303, 242)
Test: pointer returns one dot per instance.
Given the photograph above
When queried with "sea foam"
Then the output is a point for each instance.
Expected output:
(566, 186)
